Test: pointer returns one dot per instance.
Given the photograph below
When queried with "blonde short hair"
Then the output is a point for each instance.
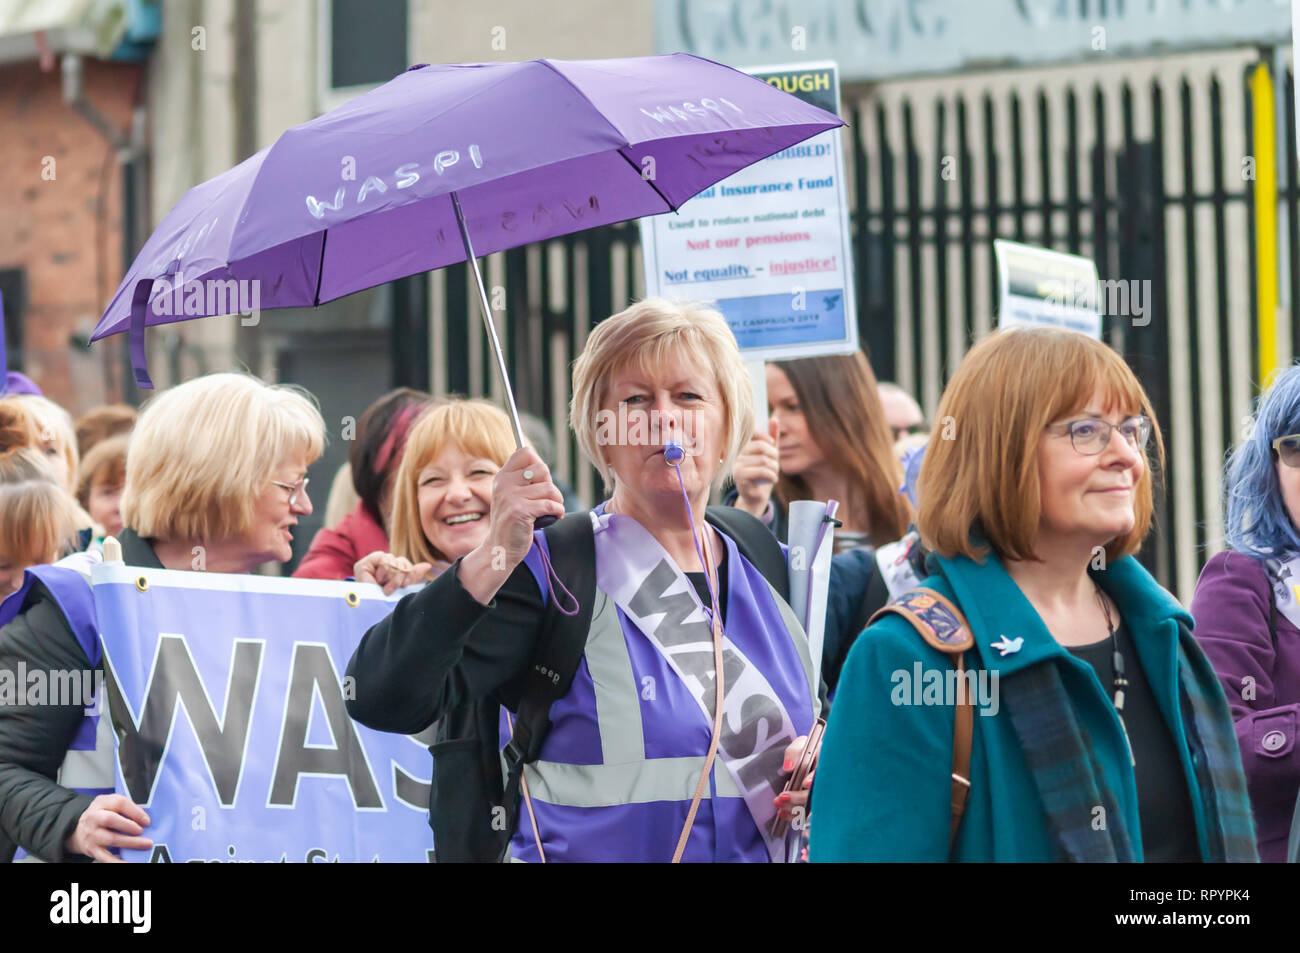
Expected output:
(651, 335)
(56, 424)
(202, 452)
(980, 473)
(38, 518)
(478, 428)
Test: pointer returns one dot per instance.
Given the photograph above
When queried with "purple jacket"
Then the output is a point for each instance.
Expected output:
(1231, 609)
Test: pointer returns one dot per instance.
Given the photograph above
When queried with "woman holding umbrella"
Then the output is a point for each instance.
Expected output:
(636, 766)
(216, 481)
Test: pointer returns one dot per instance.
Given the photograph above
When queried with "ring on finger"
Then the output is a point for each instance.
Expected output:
(528, 476)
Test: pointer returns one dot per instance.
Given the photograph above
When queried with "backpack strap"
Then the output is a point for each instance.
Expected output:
(755, 542)
(943, 627)
(571, 546)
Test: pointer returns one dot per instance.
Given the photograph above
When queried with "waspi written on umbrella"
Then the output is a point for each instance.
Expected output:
(404, 176)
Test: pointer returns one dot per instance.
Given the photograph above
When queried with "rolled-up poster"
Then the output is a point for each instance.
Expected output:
(811, 542)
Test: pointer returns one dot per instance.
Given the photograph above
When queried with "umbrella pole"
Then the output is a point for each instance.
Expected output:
(487, 320)
(541, 521)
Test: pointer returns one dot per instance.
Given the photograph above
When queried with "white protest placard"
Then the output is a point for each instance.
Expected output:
(1044, 288)
(770, 245)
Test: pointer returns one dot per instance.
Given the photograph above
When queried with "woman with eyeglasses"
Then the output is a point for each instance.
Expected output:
(1102, 733)
(216, 480)
(1247, 610)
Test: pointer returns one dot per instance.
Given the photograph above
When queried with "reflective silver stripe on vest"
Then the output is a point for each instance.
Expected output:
(610, 665)
(634, 782)
(91, 769)
(627, 776)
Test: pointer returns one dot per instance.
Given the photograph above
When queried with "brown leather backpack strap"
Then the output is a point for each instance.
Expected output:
(943, 627)
(963, 728)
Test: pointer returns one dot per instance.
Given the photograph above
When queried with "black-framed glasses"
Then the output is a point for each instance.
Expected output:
(294, 488)
(1288, 449)
(1091, 436)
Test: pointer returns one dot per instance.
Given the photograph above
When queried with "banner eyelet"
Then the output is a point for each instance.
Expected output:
(142, 583)
(352, 599)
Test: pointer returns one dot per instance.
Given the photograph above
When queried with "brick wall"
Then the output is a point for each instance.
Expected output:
(64, 232)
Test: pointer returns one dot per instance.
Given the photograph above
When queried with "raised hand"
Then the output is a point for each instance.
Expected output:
(521, 492)
(757, 469)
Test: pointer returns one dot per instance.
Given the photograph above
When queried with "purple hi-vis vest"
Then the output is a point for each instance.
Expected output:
(88, 766)
(618, 770)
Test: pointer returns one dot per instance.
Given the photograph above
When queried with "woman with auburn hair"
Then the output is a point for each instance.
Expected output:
(1247, 613)
(1104, 733)
(216, 479)
(442, 495)
(827, 439)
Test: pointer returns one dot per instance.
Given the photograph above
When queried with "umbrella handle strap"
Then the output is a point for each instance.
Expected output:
(135, 336)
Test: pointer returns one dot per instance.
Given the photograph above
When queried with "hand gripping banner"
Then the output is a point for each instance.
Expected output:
(228, 698)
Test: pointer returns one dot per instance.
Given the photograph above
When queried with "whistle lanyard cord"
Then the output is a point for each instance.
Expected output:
(716, 620)
(715, 617)
(558, 586)
(523, 781)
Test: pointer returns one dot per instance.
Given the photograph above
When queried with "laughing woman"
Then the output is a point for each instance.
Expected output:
(442, 494)
(1102, 733)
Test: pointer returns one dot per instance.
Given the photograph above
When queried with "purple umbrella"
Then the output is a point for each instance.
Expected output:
(397, 181)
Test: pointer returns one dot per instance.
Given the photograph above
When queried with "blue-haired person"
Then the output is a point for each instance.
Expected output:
(1247, 613)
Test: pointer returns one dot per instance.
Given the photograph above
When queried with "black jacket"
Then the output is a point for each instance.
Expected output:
(36, 813)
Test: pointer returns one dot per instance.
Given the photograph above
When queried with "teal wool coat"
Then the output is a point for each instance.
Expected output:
(882, 786)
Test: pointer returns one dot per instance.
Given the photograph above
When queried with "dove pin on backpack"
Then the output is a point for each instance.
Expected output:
(943, 627)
